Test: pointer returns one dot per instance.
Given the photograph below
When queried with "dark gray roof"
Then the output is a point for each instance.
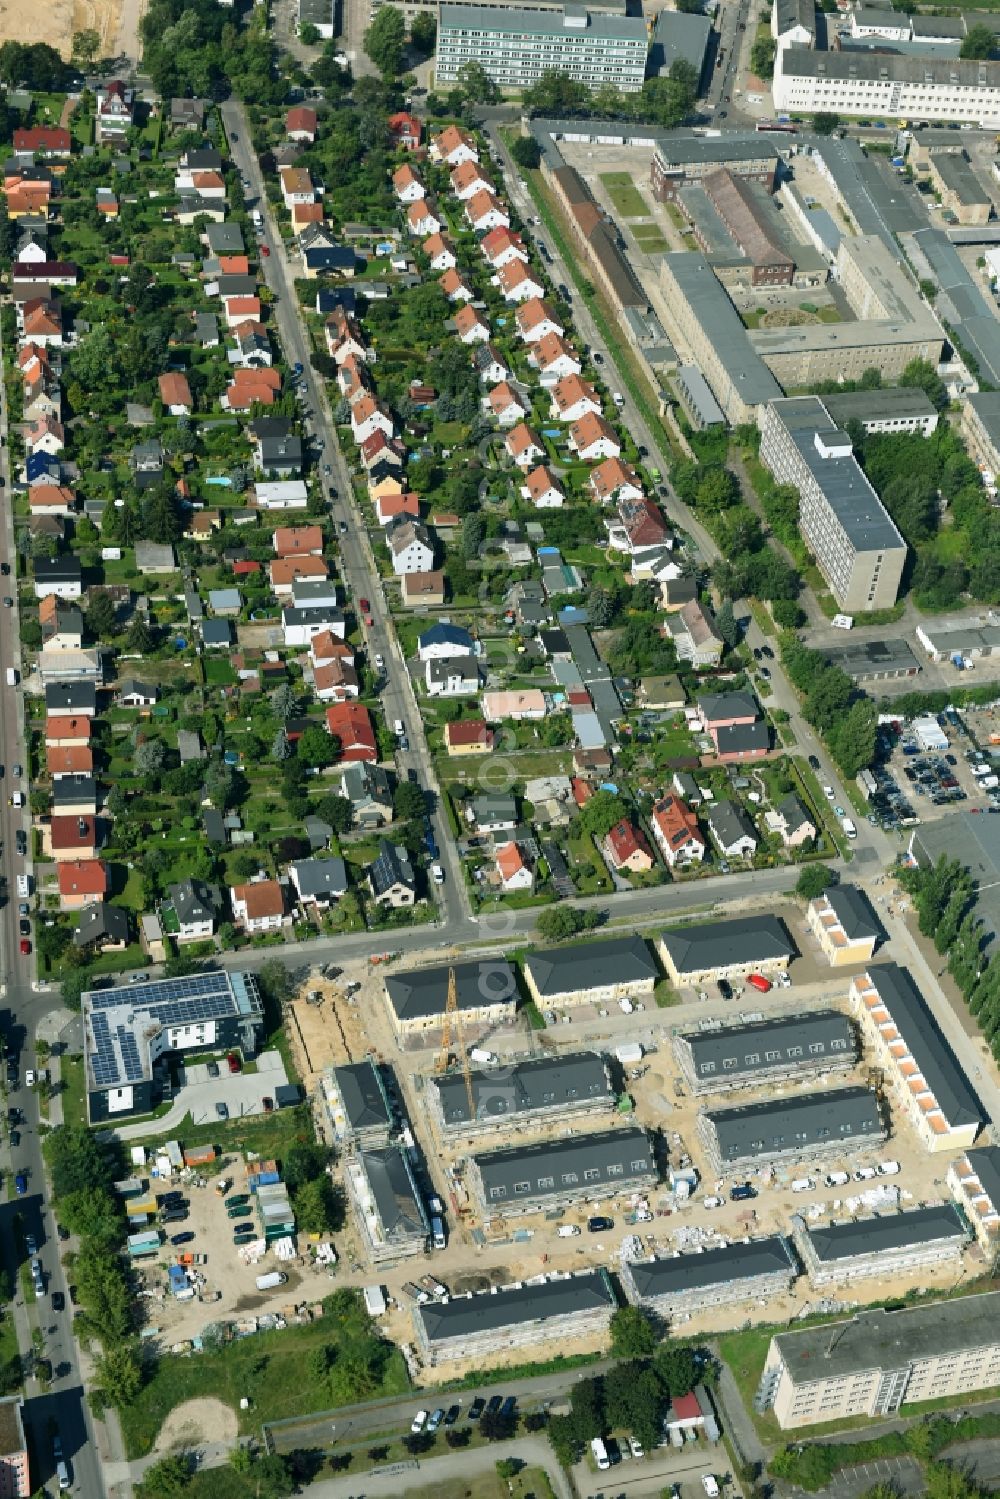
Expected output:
(99, 922)
(721, 326)
(424, 991)
(390, 867)
(619, 1156)
(224, 239)
(853, 910)
(942, 1073)
(677, 149)
(985, 1162)
(58, 569)
(713, 1267)
(729, 823)
(538, 1083)
(742, 1050)
(715, 944)
(237, 286)
(678, 36)
(878, 405)
(395, 1193)
(320, 876)
(69, 697)
(800, 62)
(216, 632)
(363, 1095)
(794, 813)
(867, 1236)
(791, 1124)
(796, 13)
(526, 24)
(589, 965)
(467, 1316)
(890, 1340)
(720, 705)
(73, 788)
(194, 901)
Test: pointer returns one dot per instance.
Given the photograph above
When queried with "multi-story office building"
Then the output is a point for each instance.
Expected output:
(844, 524)
(835, 1254)
(690, 158)
(924, 1073)
(515, 47)
(879, 1361)
(886, 85)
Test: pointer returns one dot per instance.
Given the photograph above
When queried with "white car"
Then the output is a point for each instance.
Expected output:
(637, 1447)
(29, 1079)
(419, 1421)
(711, 1485)
(829, 793)
(711, 1202)
(379, 662)
(437, 874)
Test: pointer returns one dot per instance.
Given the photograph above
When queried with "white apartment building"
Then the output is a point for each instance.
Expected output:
(843, 522)
(515, 47)
(882, 85)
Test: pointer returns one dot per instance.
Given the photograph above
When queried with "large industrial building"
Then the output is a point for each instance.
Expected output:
(880, 1361)
(835, 1254)
(754, 1270)
(563, 1307)
(710, 950)
(885, 85)
(527, 1178)
(129, 1029)
(798, 1128)
(516, 47)
(924, 1075)
(525, 1091)
(779, 1049)
(843, 522)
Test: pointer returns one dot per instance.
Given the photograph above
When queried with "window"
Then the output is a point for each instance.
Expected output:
(639, 1165)
(728, 1063)
(615, 1169)
(592, 1174)
(570, 1179)
(546, 1181)
(521, 1188)
(498, 1191)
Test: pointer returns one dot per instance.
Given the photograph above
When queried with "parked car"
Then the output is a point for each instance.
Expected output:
(221, 1111)
(600, 1224)
(233, 1063)
(476, 1408)
(494, 1404)
(20, 1184)
(436, 1418)
(419, 1421)
(213, 1069)
(238, 1212)
(184, 1238)
(58, 1301)
(454, 1411)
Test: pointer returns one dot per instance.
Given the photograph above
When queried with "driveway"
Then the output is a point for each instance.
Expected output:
(241, 1092)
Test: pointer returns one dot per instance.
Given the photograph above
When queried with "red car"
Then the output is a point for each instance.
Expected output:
(265, 250)
(364, 605)
(759, 982)
(234, 1062)
(25, 947)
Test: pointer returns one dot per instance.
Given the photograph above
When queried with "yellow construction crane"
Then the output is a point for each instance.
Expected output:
(453, 1028)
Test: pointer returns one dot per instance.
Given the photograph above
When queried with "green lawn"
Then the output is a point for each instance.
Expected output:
(624, 194)
(649, 238)
(273, 1369)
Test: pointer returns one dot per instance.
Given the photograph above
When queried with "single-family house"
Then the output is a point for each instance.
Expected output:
(501, 246)
(490, 365)
(422, 590)
(454, 676)
(46, 435)
(542, 490)
(102, 927)
(513, 868)
(319, 883)
(471, 326)
(723, 710)
(284, 571)
(492, 812)
(351, 724)
(440, 252)
(554, 359)
(534, 319)
(175, 393)
(59, 576)
(592, 439)
(114, 111)
(695, 635)
(410, 547)
(197, 910)
(627, 847)
(524, 446)
(573, 398)
(391, 878)
(80, 882)
(518, 282)
(135, 694)
(52, 499)
(676, 830)
(470, 736)
(405, 129)
(62, 625)
(790, 820)
(367, 789)
(521, 706)
(453, 146)
(369, 416)
(731, 830)
(467, 179)
(445, 641)
(484, 212)
(507, 404)
(421, 218)
(72, 837)
(407, 184)
(258, 906)
(455, 286)
(300, 124)
(296, 186)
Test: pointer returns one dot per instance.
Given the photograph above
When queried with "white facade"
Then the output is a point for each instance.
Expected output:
(880, 86)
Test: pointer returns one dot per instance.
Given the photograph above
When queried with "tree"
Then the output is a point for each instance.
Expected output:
(635, 1398)
(73, 986)
(600, 814)
(923, 375)
(476, 84)
(76, 1162)
(170, 1475)
(309, 34)
(316, 748)
(762, 55)
(384, 41)
(139, 637)
(473, 536)
(726, 622)
(118, 1374)
(220, 783)
(284, 702)
(978, 43)
(632, 1334)
(852, 738)
(86, 45)
(281, 748)
(100, 615)
(408, 801)
(241, 1459)
(677, 1368)
(336, 810)
(717, 490)
(423, 32)
(526, 152)
(304, 1162)
(149, 757)
(317, 1209)
(556, 923)
(508, 1468)
(825, 123)
(814, 879)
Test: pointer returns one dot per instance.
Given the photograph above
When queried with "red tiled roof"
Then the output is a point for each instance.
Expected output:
(83, 877)
(261, 898)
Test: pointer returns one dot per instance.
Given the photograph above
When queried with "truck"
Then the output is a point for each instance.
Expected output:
(223, 1186)
(483, 1057)
(437, 1234)
(12, 676)
(271, 1280)
(850, 831)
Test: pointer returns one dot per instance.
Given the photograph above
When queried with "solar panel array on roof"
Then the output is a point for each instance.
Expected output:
(104, 1062)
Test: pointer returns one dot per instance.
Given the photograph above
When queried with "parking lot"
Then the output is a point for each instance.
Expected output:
(928, 775)
(239, 1093)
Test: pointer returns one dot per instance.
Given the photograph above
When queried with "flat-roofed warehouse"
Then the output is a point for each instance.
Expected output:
(924, 1074)
(589, 972)
(874, 660)
(684, 1283)
(791, 1129)
(526, 1178)
(880, 1361)
(526, 1091)
(476, 1326)
(781, 1048)
(835, 1254)
(892, 408)
(711, 950)
(487, 995)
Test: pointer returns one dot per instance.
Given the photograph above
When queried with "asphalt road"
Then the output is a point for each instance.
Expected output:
(358, 570)
(23, 1008)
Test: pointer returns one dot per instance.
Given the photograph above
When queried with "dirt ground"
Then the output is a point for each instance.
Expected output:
(56, 20)
(197, 1422)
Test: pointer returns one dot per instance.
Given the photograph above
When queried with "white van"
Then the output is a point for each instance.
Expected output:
(483, 1057)
(397, 728)
(438, 1234)
(843, 621)
(271, 1280)
(804, 1184)
(567, 1231)
(837, 1179)
(888, 1168)
(600, 1452)
(23, 886)
(848, 826)
(11, 676)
